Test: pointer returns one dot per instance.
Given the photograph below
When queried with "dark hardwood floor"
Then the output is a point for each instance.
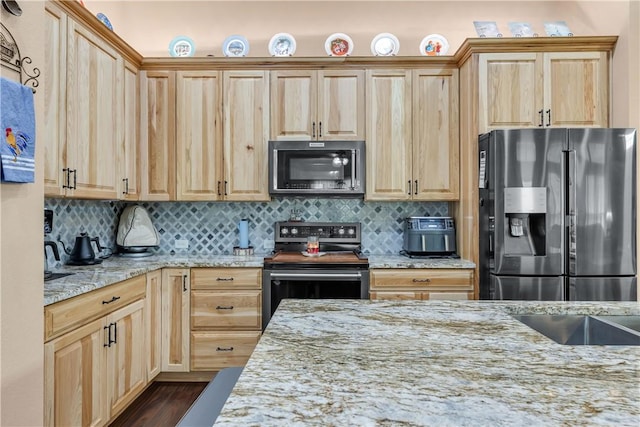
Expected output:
(162, 404)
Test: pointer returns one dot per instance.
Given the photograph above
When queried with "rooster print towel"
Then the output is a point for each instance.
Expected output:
(17, 132)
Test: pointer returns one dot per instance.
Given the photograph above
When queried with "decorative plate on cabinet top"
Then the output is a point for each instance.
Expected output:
(338, 44)
(282, 44)
(103, 18)
(385, 44)
(235, 46)
(182, 46)
(434, 45)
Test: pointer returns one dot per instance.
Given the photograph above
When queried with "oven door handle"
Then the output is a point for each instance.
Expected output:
(337, 276)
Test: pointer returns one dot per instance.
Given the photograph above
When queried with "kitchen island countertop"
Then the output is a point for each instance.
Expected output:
(444, 363)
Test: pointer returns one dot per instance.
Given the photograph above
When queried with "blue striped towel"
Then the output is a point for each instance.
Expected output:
(18, 132)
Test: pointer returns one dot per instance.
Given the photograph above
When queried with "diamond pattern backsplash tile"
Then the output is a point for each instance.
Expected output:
(211, 227)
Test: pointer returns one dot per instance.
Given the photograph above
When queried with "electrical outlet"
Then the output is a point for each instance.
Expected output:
(268, 244)
(181, 244)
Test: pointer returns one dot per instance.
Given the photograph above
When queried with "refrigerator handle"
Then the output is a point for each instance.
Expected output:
(570, 210)
(492, 229)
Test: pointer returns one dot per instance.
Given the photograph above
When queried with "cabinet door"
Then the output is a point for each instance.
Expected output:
(246, 135)
(198, 135)
(126, 356)
(128, 149)
(436, 139)
(157, 135)
(94, 71)
(293, 105)
(388, 134)
(153, 323)
(510, 91)
(175, 319)
(341, 108)
(55, 107)
(576, 89)
(75, 378)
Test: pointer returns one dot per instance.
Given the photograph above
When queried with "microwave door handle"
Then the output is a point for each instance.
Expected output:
(353, 170)
(275, 170)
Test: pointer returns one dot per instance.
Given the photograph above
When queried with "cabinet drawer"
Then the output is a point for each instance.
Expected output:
(67, 315)
(226, 278)
(226, 309)
(212, 351)
(430, 279)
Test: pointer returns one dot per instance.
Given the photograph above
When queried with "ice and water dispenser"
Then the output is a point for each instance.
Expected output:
(525, 209)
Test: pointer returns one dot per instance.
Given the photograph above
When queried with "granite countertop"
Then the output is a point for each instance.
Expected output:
(115, 269)
(401, 261)
(444, 363)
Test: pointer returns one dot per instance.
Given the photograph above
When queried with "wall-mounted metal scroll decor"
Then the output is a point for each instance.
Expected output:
(12, 60)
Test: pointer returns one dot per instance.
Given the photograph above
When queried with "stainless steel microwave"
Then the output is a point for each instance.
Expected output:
(317, 168)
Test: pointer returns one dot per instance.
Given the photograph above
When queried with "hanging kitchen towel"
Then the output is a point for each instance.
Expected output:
(18, 127)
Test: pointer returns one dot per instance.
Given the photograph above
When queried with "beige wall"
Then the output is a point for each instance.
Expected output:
(150, 25)
(21, 263)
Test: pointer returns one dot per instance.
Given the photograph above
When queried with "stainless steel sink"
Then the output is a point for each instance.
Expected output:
(630, 321)
(584, 330)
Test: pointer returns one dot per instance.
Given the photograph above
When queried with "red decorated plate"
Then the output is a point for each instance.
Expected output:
(338, 44)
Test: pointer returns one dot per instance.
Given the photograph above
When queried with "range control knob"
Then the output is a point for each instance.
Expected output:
(294, 231)
(351, 231)
(341, 231)
(284, 231)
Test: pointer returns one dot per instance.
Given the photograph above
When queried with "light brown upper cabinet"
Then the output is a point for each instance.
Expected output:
(198, 135)
(222, 132)
(82, 117)
(157, 135)
(246, 135)
(412, 134)
(318, 105)
(55, 111)
(128, 178)
(536, 89)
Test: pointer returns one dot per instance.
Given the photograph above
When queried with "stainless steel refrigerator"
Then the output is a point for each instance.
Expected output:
(558, 214)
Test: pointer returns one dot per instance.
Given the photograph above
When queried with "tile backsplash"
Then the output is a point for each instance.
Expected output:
(211, 227)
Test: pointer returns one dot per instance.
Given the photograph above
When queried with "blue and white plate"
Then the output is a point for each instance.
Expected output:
(282, 44)
(235, 46)
(182, 46)
(103, 18)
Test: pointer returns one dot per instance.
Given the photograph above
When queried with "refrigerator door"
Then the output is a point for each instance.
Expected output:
(603, 289)
(529, 198)
(527, 288)
(601, 214)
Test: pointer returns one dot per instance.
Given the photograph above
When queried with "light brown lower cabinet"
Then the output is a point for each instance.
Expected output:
(94, 371)
(226, 316)
(175, 319)
(421, 284)
(153, 323)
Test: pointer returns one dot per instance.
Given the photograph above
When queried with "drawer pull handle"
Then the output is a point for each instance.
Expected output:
(421, 280)
(224, 307)
(224, 279)
(111, 300)
(224, 349)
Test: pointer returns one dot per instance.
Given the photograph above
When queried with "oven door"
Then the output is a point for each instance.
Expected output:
(328, 168)
(311, 283)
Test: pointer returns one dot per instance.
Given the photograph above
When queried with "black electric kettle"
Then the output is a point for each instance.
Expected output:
(82, 252)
